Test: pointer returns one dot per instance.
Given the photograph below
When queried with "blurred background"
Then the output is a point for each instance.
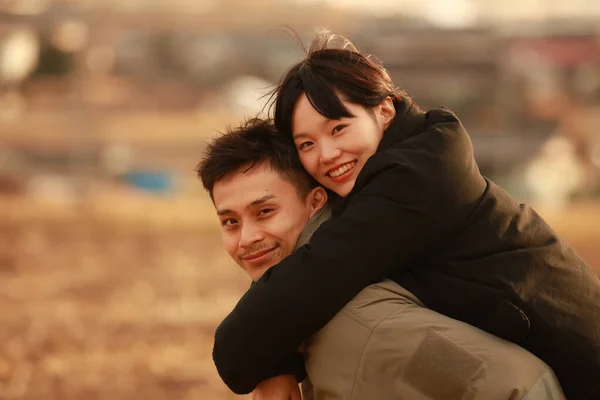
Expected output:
(112, 276)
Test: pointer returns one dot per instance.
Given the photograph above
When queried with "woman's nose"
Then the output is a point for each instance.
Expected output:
(329, 153)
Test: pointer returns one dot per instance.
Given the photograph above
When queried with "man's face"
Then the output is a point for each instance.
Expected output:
(262, 216)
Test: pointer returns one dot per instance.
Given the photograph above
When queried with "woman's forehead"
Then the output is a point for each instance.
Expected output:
(306, 118)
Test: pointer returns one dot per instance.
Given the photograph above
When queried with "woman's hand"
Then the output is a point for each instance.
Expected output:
(282, 387)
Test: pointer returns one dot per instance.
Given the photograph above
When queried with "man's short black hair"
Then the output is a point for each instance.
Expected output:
(253, 143)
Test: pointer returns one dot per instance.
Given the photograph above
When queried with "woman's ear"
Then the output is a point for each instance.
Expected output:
(387, 112)
(316, 199)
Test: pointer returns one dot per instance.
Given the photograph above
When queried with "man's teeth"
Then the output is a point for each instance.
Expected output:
(342, 169)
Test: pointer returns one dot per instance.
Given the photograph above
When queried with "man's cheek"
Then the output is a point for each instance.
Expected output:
(232, 250)
(282, 252)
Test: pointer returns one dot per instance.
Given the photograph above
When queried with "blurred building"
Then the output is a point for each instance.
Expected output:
(156, 77)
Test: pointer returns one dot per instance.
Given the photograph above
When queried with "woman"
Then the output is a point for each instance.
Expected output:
(410, 195)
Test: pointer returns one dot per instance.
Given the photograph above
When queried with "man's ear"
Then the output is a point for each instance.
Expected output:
(386, 111)
(316, 199)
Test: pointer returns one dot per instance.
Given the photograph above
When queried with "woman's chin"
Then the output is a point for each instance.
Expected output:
(340, 188)
(343, 189)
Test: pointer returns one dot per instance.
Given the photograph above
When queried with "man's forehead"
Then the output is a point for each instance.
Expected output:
(236, 207)
(246, 188)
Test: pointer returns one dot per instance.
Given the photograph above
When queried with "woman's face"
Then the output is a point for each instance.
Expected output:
(334, 151)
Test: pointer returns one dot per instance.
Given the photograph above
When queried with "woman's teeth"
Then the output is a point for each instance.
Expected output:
(339, 171)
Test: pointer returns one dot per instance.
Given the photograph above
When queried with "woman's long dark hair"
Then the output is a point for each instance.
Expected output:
(333, 69)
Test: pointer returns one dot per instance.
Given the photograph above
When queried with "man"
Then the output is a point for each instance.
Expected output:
(384, 344)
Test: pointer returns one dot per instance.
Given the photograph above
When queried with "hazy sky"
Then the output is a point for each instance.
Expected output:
(464, 12)
(445, 12)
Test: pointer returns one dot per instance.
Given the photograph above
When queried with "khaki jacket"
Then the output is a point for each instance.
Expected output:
(384, 344)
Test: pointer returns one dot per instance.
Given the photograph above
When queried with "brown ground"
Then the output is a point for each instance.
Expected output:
(119, 299)
(108, 307)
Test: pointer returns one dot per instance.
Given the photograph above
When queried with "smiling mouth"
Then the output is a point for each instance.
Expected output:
(341, 171)
(259, 257)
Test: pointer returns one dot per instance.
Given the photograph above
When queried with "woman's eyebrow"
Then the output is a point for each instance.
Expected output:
(321, 125)
(299, 135)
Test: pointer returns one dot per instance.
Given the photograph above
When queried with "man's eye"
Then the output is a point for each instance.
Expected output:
(228, 222)
(338, 128)
(265, 211)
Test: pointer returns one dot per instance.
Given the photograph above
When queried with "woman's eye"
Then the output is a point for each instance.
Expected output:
(338, 128)
(305, 145)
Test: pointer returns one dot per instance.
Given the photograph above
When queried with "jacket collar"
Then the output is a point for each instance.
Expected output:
(313, 224)
(409, 121)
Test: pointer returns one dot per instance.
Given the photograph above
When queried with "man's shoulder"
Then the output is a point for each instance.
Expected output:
(377, 301)
(335, 351)
(373, 305)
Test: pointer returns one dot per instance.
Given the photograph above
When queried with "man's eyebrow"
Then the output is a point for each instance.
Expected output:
(255, 203)
(261, 200)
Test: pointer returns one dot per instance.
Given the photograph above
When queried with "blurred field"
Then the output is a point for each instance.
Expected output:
(100, 306)
(119, 299)
(579, 225)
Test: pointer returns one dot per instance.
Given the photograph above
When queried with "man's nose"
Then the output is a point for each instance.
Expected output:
(329, 152)
(250, 235)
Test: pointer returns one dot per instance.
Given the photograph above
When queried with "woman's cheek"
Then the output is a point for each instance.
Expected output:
(308, 163)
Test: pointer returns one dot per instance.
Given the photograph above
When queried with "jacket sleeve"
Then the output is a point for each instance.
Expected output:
(393, 219)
